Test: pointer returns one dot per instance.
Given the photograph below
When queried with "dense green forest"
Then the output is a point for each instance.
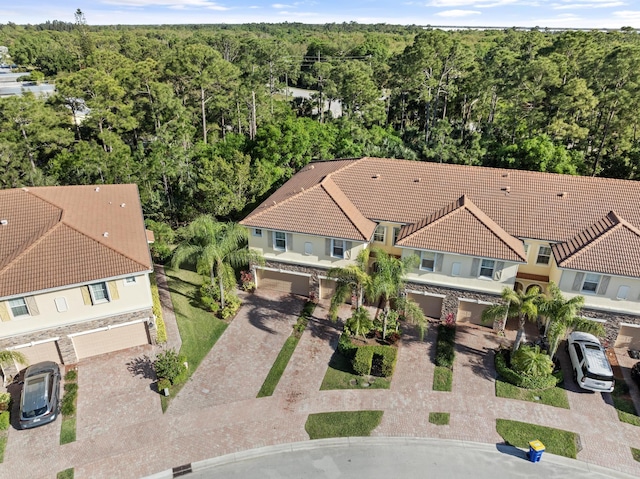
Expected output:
(197, 116)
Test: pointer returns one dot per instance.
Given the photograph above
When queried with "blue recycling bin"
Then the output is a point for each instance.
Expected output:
(536, 448)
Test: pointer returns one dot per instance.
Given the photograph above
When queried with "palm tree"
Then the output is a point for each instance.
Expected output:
(558, 308)
(360, 322)
(532, 362)
(349, 278)
(413, 314)
(516, 304)
(216, 248)
(388, 280)
(559, 330)
(7, 356)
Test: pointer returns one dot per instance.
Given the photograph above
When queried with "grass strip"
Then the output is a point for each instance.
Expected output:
(556, 441)
(199, 328)
(68, 430)
(442, 379)
(340, 375)
(342, 424)
(66, 474)
(556, 396)
(624, 404)
(439, 418)
(3, 444)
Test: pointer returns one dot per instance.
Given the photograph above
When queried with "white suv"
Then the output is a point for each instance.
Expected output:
(591, 368)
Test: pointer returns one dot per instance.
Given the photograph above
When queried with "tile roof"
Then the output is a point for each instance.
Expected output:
(524, 204)
(611, 246)
(462, 228)
(58, 236)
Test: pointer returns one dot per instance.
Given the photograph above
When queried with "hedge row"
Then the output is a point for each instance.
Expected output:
(521, 380)
(445, 346)
(364, 357)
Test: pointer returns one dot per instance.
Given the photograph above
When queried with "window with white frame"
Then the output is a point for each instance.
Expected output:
(623, 291)
(18, 307)
(486, 268)
(590, 283)
(544, 255)
(427, 260)
(526, 249)
(130, 280)
(396, 233)
(308, 247)
(280, 241)
(379, 234)
(257, 232)
(337, 248)
(455, 269)
(99, 293)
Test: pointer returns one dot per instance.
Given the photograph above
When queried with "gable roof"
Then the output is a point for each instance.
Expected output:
(525, 204)
(63, 235)
(462, 228)
(611, 245)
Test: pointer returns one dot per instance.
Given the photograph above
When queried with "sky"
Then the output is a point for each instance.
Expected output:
(497, 13)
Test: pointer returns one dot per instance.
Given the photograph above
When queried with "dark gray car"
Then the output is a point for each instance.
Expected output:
(40, 395)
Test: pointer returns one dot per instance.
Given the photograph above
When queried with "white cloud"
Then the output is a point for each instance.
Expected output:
(457, 13)
(474, 3)
(628, 15)
(587, 4)
(280, 6)
(173, 4)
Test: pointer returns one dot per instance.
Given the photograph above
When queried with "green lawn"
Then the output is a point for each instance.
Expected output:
(624, 405)
(636, 454)
(556, 441)
(199, 329)
(279, 365)
(3, 444)
(439, 418)
(551, 397)
(442, 379)
(340, 375)
(342, 424)
(66, 474)
(68, 430)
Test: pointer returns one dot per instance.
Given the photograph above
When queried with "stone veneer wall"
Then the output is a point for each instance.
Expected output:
(612, 326)
(65, 344)
(450, 301)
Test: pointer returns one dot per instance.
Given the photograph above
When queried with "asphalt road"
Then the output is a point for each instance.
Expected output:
(385, 458)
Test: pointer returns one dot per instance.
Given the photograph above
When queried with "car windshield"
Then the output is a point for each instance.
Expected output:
(34, 399)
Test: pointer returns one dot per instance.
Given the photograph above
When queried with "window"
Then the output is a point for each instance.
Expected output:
(544, 255)
(99, 293)
(378, 235)
(18, 307)
(591, 282)
(396, 233)
(427, 260)
(623, 291)
(130, 280)
(486, 268)
(337, 248)
(455, 269)
(257, 232)
(61, 304)
(308, 248)
(280, 241)
(526, 249)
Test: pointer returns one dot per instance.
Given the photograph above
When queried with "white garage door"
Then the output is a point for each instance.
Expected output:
(42, 352)
(113, 339)
(628, 337)
(471, 312)
(431, 305)
(285, 282)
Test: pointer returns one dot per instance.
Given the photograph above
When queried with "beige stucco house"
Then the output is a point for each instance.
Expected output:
(475, 230)
(74, 271)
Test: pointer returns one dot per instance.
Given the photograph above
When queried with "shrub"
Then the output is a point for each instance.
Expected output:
(4, 420)
(5, 401)
(364, 357)
(362, 360)
(161, 337)
(71, 388)
(248, 283)
(531, 361)
(71, 375)
(445, 346)
(169, 365)
(232, 304)
(68, 407)
(163, 384)
(521, 380)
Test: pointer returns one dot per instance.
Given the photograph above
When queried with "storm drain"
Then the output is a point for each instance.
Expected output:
(182, 470)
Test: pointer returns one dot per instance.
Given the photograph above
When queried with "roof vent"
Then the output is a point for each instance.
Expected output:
(563, 194)
(377, 175)
(417, 180)
(506, 189)
(105, 234)
(97, 189)
(4, 222)
(505, 175)
(122, 205)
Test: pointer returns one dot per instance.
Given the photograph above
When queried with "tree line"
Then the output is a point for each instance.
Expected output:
(198, 118)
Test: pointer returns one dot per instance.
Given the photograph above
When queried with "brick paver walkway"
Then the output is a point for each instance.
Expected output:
(217, 413)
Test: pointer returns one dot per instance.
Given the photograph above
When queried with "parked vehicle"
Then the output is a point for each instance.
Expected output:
(635, 373)
(40, 400)
(591, 368)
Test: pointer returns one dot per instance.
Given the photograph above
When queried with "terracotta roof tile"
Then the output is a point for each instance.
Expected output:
(55, 236)
(462, 228)
(611, 246)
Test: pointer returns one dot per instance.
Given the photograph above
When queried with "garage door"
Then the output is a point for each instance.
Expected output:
(327, 288)
(471, 312)
(628, 337)
(431, 305)
(285, 282)
(42, 352)
(113, 339)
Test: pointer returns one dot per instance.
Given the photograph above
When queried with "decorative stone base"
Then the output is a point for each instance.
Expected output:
(65, 343)
(613, 321)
